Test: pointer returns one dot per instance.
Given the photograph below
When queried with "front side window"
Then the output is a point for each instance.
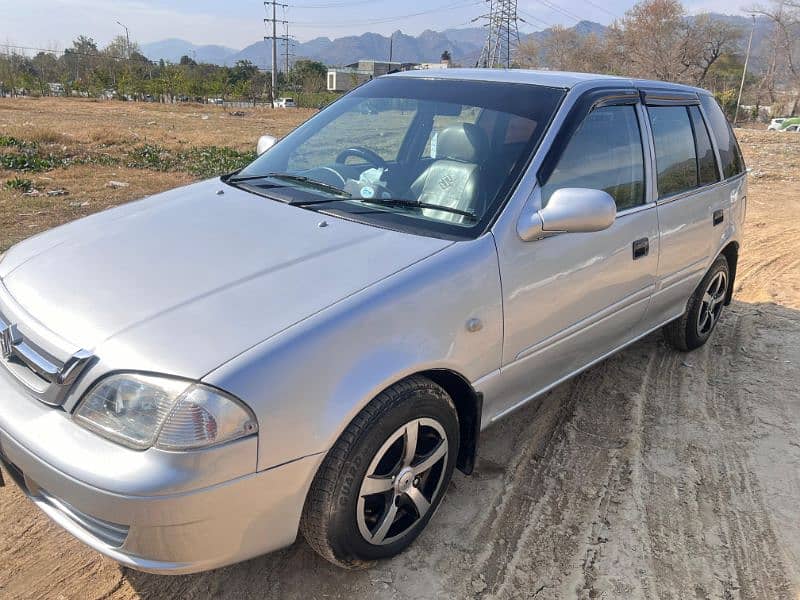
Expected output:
(604, 154)
(676, 160)
(433, 157)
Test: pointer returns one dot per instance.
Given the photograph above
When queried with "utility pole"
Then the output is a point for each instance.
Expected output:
(274, 37)
(127, 40)
(391, 47)
(288, 41)
(744, 71)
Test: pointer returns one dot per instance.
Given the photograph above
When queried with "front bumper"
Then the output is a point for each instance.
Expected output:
(186, 523)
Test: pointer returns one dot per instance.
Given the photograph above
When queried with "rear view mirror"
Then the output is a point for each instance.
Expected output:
(570, 210)
(265, 142)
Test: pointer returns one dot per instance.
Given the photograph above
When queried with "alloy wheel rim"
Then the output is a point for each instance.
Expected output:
(711, 303)
(402, 482)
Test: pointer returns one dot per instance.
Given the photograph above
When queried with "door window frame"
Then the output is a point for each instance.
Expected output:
(685, 99)
(580, 111)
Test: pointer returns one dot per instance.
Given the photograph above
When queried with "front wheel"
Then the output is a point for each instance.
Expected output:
(379, 485)
(703, 311)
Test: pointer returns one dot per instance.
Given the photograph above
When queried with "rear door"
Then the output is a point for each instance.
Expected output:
(691, 198)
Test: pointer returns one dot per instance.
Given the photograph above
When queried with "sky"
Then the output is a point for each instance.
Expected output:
(52, 24)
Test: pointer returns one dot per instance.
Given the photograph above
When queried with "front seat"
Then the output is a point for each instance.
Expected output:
(453, 179)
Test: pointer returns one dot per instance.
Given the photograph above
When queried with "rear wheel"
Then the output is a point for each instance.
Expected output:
(383, 479)
(703, 311)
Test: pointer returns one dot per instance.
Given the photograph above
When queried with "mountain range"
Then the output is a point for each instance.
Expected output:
(464, 45)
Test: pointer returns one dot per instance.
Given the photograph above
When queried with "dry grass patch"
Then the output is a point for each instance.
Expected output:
(88, 191)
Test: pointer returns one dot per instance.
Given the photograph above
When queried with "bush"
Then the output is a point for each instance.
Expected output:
(32, 162)
(205, 162)
(19, 184)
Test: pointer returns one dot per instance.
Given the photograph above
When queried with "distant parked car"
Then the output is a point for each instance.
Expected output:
(313, 343)
(788, 123)
(285, 103)
(775, 124)
(216, 101)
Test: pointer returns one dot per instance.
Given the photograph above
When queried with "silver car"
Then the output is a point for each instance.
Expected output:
(314, 343)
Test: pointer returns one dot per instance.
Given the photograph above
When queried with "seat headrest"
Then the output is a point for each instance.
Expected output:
(465, 142)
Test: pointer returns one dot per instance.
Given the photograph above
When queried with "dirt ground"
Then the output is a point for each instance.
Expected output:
(653, 475)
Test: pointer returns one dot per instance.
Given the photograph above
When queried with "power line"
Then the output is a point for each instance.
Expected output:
(600, 7)
(533, 18)
(560, 10)
(334, 4)
(391, 19)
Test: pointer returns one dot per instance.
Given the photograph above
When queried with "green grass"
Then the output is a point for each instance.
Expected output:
(19, 184)
(205, 161)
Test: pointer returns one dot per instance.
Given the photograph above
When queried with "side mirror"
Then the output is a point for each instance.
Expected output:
(265, 142)
(570, 210)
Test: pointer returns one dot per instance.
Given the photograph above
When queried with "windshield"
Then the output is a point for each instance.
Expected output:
(434, 157)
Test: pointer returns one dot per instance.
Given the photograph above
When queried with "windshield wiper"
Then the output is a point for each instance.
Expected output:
(292, 177)
(418, 204)
(402, 202)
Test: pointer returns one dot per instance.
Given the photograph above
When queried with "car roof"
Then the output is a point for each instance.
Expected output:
(557, 79)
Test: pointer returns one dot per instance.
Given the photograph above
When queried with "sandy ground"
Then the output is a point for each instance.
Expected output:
(653, 475)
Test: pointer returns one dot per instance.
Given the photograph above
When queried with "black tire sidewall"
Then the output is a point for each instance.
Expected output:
(693, 339)
(343, 533)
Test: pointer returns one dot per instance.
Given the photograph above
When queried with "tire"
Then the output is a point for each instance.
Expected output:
(703, 311)
(345, 521)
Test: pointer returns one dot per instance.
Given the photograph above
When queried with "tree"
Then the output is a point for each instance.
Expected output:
(310, 75)
(656, 39)
(784, 46)
(707, 41)
(529, 54)
(653, 33)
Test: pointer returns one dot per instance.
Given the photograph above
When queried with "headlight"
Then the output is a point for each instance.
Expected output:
(141, 411)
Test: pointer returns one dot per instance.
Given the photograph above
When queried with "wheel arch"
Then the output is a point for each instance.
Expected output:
(731, 254)
(469, 405)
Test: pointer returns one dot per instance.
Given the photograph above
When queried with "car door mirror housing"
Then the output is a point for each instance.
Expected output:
(570, 210)
(265, 142)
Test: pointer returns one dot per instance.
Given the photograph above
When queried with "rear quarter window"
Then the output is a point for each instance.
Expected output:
(729, 153)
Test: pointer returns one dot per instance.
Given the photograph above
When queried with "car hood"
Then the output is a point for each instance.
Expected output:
(183, 281)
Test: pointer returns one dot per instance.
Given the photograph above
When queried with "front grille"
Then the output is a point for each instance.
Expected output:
(111, 534)
(48, 377)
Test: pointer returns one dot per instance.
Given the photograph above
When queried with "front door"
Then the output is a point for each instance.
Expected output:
(572, 298)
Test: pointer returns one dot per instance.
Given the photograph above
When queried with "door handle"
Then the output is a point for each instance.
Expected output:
(718, 217)
(641, 248)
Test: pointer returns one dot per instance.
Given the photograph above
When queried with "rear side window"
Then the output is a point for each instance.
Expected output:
(604, 154)
(706, 161)
(729, 153)
(676, 160)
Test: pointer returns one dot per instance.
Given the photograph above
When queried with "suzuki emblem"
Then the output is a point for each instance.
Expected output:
(9, 337)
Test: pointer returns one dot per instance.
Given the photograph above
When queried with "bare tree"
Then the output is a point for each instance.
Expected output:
(707, 40)
(564, 49)
(657, 40)
(529, 54)
(784, 45)
(561, 49)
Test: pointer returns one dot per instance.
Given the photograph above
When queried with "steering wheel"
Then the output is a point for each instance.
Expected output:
(368, 155)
